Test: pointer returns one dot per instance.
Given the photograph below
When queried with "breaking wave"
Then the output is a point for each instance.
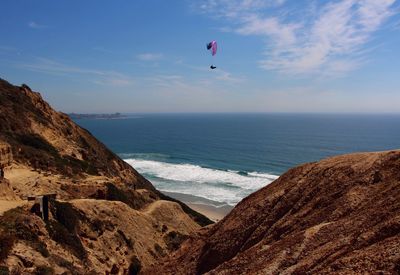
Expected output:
(213, 184)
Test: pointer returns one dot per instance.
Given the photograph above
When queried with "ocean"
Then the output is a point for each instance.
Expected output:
(219, 159)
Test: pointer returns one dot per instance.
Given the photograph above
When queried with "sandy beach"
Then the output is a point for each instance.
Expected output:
(214, 213)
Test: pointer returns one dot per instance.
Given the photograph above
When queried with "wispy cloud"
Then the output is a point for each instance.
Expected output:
(118, 79)
(35, 25)
(228, 77)
(203, 80)
(100, 77)
(166, 81)
(150, 56)
(236, 8)
(332, 38)
(217, 75)
(115, 80)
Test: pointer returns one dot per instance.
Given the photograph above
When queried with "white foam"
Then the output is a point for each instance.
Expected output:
(217, 194)
(194, 173)
(223, 186)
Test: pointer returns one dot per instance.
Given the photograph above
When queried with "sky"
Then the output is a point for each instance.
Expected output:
(98, 56)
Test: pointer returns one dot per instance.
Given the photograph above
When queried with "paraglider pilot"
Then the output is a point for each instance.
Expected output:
(212, 46)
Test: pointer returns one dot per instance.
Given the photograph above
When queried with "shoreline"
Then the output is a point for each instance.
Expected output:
(212, 212)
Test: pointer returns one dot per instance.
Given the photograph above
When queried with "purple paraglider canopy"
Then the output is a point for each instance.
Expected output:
(212, 46)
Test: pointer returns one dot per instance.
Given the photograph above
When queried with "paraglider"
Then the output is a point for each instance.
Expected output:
(212, 46)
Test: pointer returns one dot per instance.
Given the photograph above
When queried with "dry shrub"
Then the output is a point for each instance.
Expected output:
(15, 225)
(6, 244)
(135, 266)
(64, 228)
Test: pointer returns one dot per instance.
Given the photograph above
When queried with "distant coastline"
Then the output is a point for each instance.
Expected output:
(96, 116)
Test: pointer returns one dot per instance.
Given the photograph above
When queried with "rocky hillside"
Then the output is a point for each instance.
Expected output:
(62, 152)
(106, 219)
(48, 140)
(340, 215)
(87, 236)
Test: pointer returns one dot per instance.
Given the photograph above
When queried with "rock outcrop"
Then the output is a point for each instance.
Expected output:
(6, 192)
(5, 155)
(340, 215)
(5, 158)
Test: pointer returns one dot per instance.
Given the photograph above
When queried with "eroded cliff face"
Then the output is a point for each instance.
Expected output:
(45, 139)
(107, 218)
(338, 215)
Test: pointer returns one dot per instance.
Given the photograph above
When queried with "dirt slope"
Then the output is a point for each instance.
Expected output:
(107, 218)
(53, 154)
(87, 236)
(45, 139)
(338, 215)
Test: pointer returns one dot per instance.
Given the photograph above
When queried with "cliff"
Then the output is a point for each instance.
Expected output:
(106, 217)
(340, 215)
(49, 140)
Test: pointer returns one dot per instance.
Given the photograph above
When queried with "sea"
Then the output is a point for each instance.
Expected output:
(218, 159)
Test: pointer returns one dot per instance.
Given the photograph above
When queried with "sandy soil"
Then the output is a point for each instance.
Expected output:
(7, 205)
(212, 212)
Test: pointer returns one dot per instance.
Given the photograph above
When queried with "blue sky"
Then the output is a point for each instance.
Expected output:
(150, 56)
